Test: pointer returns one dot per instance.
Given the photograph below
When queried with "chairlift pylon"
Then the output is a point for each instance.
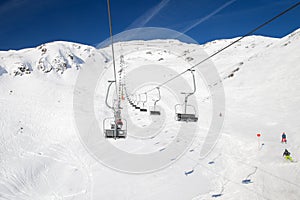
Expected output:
(185, 116)
(155, 111)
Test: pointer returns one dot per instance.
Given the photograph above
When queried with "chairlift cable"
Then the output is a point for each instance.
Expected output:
(112, 44)
(237, 40)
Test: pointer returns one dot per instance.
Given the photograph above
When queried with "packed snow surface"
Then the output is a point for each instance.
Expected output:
(43, 158)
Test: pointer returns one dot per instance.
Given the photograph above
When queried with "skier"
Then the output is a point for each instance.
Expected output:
(283, 138)
(287, 155)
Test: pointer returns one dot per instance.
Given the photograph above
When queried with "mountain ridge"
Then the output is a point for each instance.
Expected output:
(59, 56)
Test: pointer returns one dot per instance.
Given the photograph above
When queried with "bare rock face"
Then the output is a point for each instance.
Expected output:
(59, 64)
(54, 57)
(43, 49)
(43, 65)
(21, 69)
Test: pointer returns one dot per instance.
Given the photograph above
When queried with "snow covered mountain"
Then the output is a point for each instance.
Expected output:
(42, 157)
(56, 56)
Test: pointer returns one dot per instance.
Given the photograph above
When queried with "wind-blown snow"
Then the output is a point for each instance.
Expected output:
(41, 156)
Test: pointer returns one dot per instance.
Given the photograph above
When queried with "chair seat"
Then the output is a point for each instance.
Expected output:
(110, 133)
(154, 112)
(186, 117)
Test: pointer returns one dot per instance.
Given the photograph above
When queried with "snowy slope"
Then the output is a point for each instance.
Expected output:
(262, 98)
(42, 157)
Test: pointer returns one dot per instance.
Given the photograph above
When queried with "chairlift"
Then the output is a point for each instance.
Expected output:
(114, 127)
(143, 109)
(129, 99)
(131, 102)
(185, 116)
(135, 103)
(155, 111)
(137, 107)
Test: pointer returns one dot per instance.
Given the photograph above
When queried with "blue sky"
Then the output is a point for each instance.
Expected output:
(29, 23)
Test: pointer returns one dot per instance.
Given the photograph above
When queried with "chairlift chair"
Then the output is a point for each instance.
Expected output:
(143, 109)
(185, 116)
(137, 107)
(130, 101)
(115, 129)
(135, 103)
(154, 111)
